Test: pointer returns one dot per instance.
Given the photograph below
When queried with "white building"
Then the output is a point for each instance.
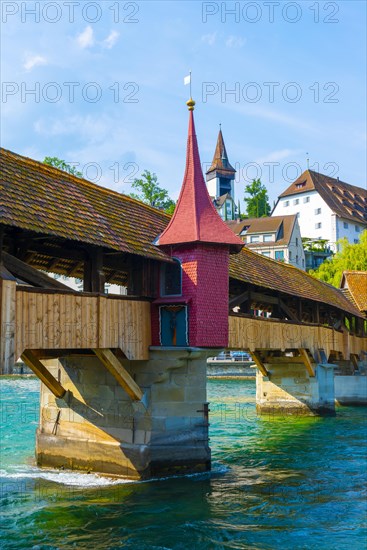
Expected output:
(327, 208)
(277, 237)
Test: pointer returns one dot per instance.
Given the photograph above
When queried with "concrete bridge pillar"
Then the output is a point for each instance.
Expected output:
(289, 389)
(97, 427)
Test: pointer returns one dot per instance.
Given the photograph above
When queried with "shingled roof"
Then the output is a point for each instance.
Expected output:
(195, 219)
(345, 200)
(356, 283)
(220, 163)
(43, 199)
(253, 268)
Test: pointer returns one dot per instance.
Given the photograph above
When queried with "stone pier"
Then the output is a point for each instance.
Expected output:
(96, 427)
(289, 389)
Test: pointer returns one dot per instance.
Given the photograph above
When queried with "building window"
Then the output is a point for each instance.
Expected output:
(254, 239)
(296, 201)
(279, 255)
(268, 238)
(171, 279)
(290, 254)
(267, 254)
(356, 241)
(297, 259)
(296, 241)
(356, 227)
(300, 185)
(306, 199)
(317, 211)
(318, 225)
(303, 263)
(286, 203)
(345, 225)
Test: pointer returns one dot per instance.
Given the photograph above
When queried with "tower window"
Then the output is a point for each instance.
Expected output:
(171, 279)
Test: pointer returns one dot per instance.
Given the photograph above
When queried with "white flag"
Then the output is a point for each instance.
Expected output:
(187, 79)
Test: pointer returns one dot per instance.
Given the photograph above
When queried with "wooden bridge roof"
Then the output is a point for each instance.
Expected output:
(253, 268)
(43, 199)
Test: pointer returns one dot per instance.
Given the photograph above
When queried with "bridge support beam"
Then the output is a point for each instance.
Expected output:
(99, 427)
(290, 389)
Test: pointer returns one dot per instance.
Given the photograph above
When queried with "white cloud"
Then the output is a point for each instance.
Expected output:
(209, 38)
(235, 41)
(86, 38)
(33, 61)
(111, 40)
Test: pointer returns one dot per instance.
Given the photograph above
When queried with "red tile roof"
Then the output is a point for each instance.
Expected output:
(43, 199)
(345, 200)
(195, 218)
(356, 283)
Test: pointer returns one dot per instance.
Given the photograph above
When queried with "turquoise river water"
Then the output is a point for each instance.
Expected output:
(286, 483)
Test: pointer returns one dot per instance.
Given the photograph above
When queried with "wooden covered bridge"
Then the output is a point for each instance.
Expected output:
(57, 223)
(181, 299)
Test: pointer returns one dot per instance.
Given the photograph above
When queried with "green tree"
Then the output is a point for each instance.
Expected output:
(257, 202)
(148, 191)
(62, 165)
(349, 257)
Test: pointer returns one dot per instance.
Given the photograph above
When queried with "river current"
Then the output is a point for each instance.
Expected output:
(276, 483)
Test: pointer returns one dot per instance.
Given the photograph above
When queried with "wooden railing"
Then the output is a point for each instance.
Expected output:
(51, 319)
(258, 333)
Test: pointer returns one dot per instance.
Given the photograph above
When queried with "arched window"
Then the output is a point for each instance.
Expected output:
(171, 279)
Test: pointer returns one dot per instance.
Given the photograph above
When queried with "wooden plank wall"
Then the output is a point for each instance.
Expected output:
(52, 320)
(261, 333)
(7, 325)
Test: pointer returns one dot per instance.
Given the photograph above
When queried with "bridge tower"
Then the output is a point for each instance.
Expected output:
(193, 303)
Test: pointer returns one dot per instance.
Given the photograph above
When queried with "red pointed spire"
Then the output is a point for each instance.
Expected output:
(195, 218)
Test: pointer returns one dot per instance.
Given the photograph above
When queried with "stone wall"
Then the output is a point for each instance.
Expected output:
(290, 390)
(96, 427)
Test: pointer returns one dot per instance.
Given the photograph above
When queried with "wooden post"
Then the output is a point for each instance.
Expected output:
(94, 279)
(117, 370)
(307, 361)
(7, 321)
(30, 359)
(258, 362)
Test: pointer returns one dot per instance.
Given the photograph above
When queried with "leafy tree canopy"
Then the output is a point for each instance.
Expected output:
(148, 191)
(350, 257)
(62, 165)
(258, 201)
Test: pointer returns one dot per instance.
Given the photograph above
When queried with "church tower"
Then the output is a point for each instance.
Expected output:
(193, 303)
(220, 181)
(220, 176)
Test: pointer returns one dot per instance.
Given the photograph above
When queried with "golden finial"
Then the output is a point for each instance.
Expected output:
(190, 104)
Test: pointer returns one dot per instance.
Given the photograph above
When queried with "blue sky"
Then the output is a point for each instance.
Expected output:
(109, 93)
